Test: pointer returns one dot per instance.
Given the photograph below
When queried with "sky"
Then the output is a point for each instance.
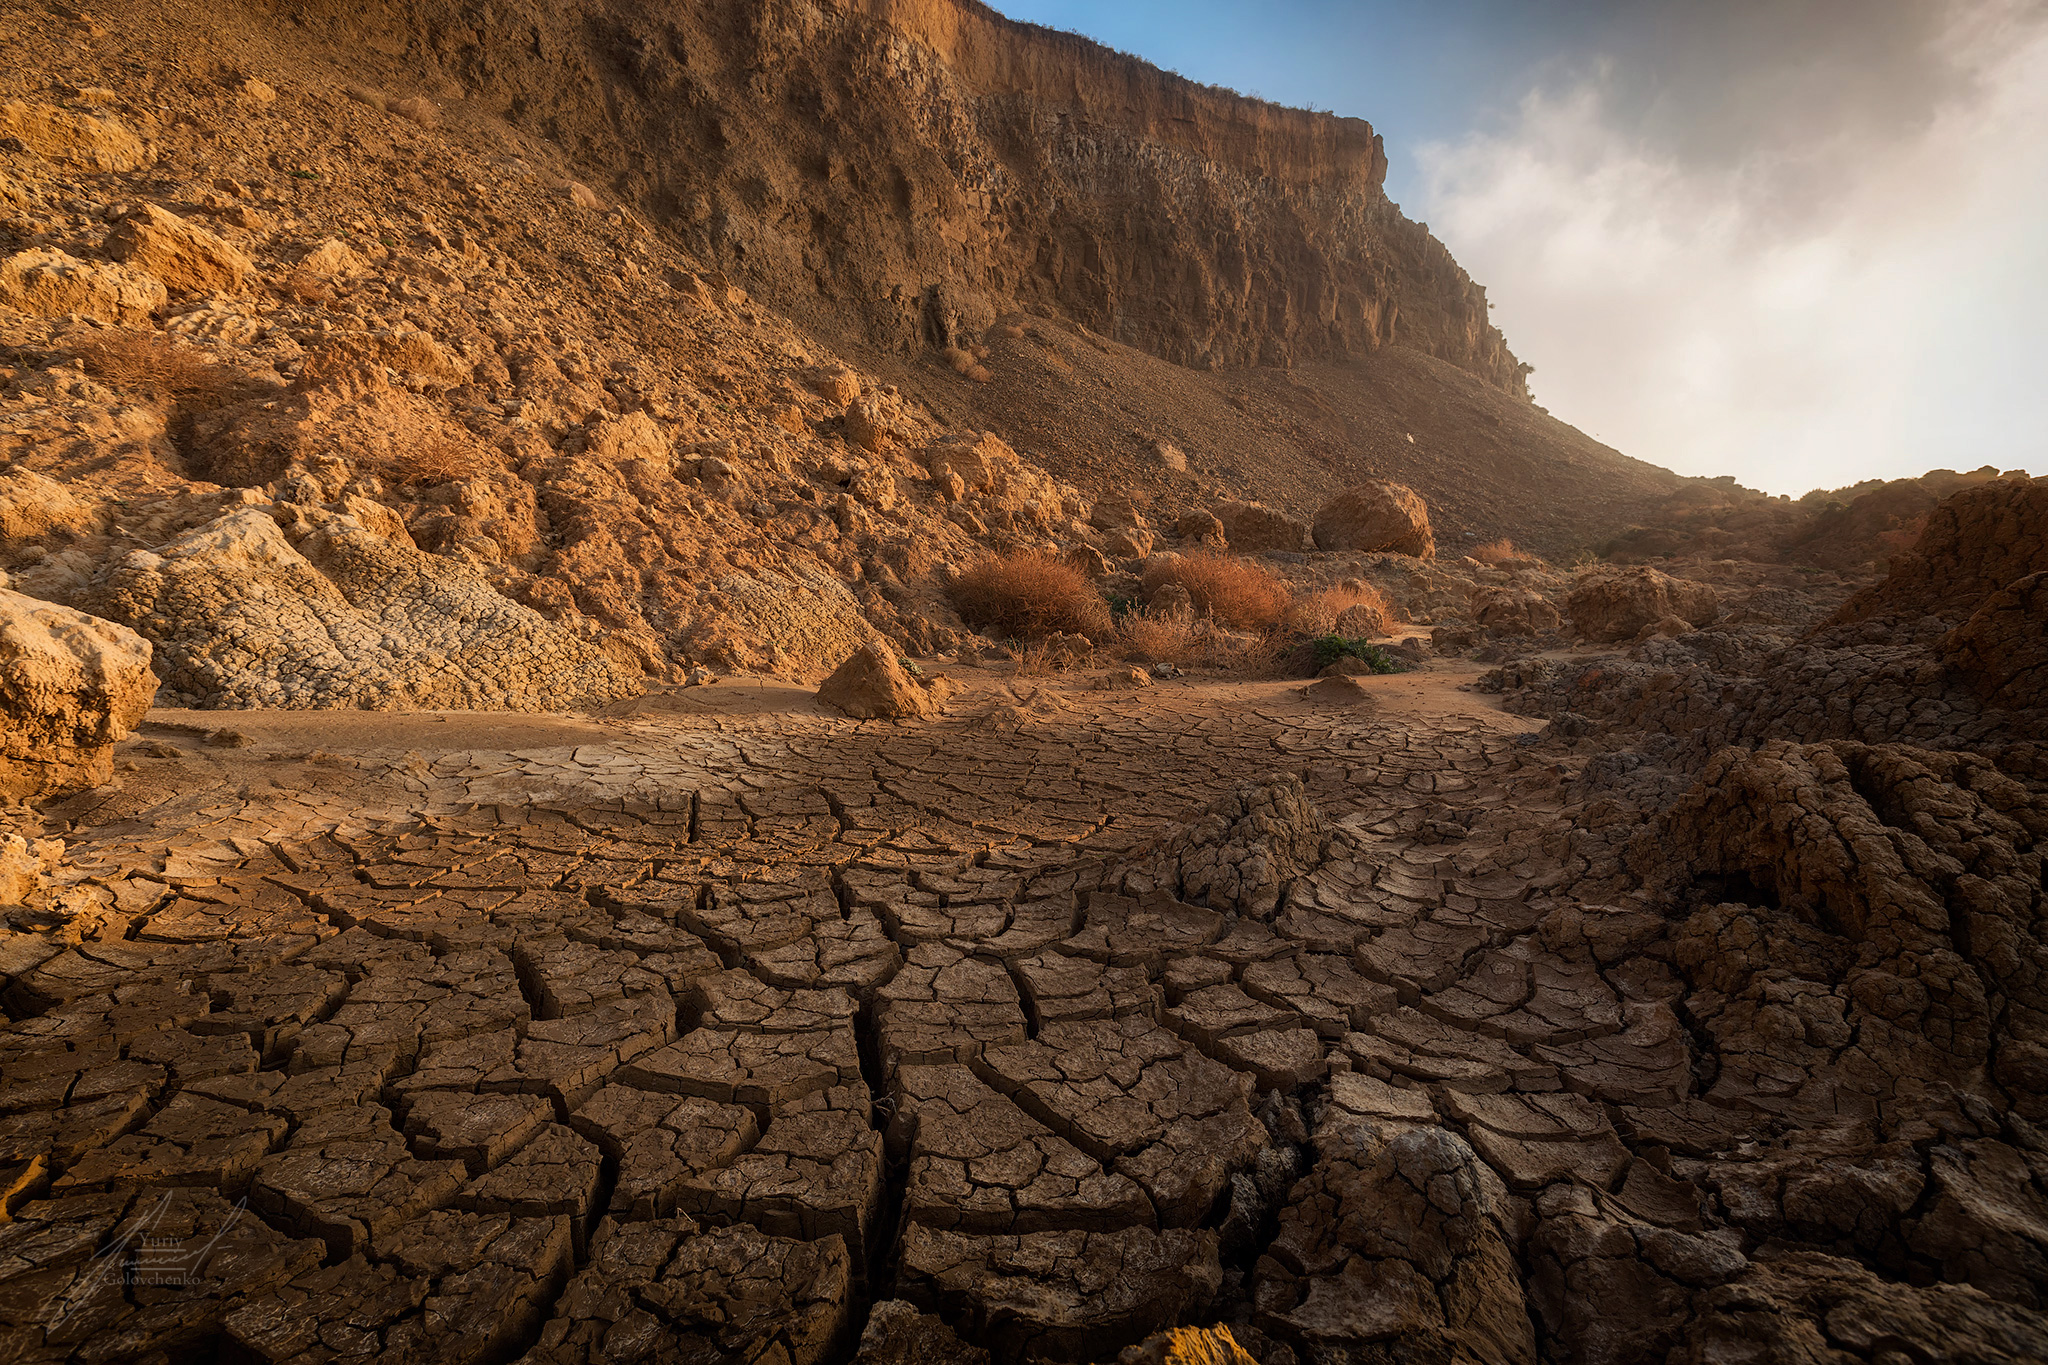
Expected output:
(1803, 242)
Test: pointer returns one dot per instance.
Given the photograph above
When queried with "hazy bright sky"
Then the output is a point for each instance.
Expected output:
(1801, 242)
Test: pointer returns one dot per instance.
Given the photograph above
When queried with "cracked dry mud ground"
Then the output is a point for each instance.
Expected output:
(694, 1041)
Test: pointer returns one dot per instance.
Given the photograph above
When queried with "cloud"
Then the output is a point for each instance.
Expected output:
(1776, 262)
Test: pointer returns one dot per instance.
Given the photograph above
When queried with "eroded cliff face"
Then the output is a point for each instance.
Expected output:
(912, 168)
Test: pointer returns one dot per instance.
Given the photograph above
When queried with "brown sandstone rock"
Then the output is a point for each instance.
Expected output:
(1199, 526)
(1616, 605)
(1339, 689)
(1376, 516)
(872, 685)
(1399, 1243)
(186, 257)
(102, 143)
(1251, 527)
(1512, 611)
(346, 618)
(70, 685)
(32, 507)
(51, 284)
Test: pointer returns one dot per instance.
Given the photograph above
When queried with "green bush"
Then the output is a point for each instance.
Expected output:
(1330, 648)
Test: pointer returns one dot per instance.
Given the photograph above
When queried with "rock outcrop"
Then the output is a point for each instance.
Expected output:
(1376, 516)
(347, 618)
(1243, 853)
(1977, 542)
(93, 141)
(53, 285)
(70, 686)
(2002, 650)
(1620, 604)
(183, 255)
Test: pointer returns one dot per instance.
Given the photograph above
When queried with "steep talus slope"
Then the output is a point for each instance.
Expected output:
(1094, 413)
(910, 170)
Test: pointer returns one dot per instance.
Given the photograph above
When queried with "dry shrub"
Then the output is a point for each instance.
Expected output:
(1258, 656)
(1028, 595)
(1034, 661)
(1235, 591)
(966, 363)
(436, 460)
(1316, 613)
(418, 353)
(1497, 552)
(178, 373)
(1154, 638)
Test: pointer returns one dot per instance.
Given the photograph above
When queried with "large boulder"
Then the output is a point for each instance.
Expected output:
(51, 284)
(791, 622)
(182, 254)
(1376, 517)
(346, 618)
(872, 685)
(1251, 527)
(1616, 605)
(70, 686)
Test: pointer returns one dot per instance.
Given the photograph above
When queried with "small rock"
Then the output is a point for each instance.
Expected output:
(873, 685)
(1339, 689)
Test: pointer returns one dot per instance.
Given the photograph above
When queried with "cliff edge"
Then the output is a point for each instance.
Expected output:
(907, 170)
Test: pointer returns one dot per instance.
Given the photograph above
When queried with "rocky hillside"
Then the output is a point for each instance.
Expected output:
(327, 369)
(912, 169)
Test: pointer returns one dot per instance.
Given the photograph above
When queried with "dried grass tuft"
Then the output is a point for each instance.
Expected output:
(1497, 552)
(436, 460)
(1234, 590)
(967, 363)
(1027, 595)
(177, 373)
(1158, 638)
